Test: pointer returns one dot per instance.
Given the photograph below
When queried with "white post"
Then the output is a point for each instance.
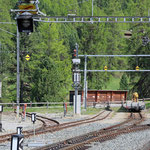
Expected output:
(85, 76)
(77, 107)
(0, 89)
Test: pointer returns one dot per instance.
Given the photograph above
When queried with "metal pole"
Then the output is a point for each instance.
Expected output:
(76, 94)
(34, 130)
(92, 8)
(18, 73)
(85, 75)
(0, 121)
(146, 55)
(115, 70)
(77, 50)
(76, 88)
(1, 72)
(86, 87)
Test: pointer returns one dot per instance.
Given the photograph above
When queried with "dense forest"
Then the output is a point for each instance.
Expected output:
(47, 76)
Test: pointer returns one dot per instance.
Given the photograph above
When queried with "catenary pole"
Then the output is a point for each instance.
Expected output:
(92, 8)
(85, 76)
(76, 88)
(18, 73)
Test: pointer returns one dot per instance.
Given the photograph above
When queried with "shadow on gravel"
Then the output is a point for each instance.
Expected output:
(108, 108)
(122, 109)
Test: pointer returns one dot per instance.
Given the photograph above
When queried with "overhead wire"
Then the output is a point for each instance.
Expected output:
(7, 31)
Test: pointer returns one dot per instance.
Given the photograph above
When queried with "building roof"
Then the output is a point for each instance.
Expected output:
(105, 90)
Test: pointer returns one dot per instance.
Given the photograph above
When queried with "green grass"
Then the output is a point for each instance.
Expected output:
(48, 110)
(115, 109)
(147, 106)
(148, 101)
(113, 84)
(7, 109)
(89, 111)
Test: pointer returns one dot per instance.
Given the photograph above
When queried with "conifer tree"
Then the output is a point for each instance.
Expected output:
(124, 83)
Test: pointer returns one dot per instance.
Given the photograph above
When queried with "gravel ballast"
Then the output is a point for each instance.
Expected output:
(132, 141)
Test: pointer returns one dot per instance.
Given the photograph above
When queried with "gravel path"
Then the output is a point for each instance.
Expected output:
(10, 123)
(132, 141)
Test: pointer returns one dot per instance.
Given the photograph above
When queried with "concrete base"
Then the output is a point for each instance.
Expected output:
(37, 144)
(77, 115)
(77, 105)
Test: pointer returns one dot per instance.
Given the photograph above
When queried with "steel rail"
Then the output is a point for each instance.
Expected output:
(70, 124)
(52, 129)
(40, 118)
(107, 137)
(63, 124)
(146, 146)
(101, 135)
(7, 137)
(48, 128)
(80, 122)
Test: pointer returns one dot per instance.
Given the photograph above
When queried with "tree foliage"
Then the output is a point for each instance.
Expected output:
(124, 83)
(47, 76)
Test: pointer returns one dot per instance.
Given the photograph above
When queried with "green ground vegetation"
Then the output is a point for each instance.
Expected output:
(113, 83)
(58, 110)
(147, 105)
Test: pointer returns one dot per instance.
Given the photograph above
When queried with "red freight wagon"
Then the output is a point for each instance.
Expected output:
(102, 95)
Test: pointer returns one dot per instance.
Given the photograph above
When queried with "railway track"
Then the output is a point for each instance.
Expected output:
(102, 115)
(45, 122)
(83, 141)
(146, 146)
(50, 125)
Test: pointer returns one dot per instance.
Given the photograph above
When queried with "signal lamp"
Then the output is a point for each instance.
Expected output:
(75, 52)
(25, 22)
